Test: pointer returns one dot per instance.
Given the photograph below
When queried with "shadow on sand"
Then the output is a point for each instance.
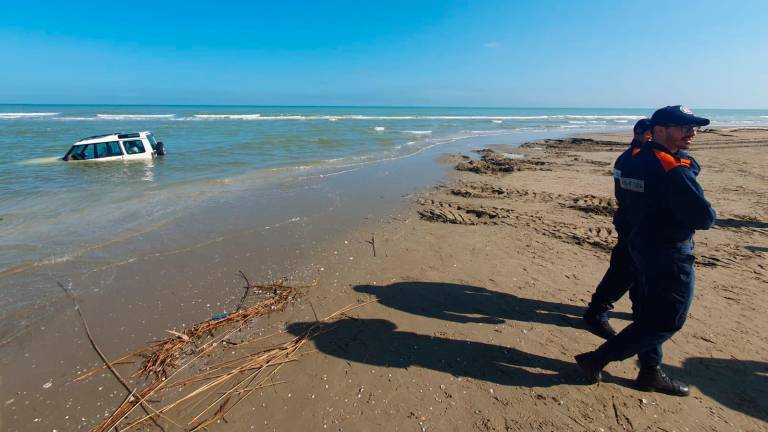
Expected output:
(740, 385)
(471, 304)
(378, 342)
(737, 384)
(738, 223)
(757, 249)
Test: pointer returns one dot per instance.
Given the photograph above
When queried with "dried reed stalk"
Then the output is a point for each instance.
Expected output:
(161, 359)
(222, 386)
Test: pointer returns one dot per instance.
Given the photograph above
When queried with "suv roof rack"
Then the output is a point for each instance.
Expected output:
(129, 135)
(96, 136)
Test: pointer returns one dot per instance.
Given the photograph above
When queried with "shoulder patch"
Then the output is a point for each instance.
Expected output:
(669, 162)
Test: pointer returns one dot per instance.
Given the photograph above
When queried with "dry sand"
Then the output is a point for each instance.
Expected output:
(479, 285)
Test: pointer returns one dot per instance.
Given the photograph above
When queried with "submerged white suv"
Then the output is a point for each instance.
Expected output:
(116, 146)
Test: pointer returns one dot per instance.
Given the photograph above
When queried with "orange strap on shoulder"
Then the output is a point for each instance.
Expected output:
(669, 162)
(636, 150)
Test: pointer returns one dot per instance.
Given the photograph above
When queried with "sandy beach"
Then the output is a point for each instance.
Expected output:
(467, 300)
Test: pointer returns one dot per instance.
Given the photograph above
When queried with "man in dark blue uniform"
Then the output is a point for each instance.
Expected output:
(620, 275)
(665, 205)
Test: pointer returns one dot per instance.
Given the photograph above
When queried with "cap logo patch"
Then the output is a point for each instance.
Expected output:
(686, 110)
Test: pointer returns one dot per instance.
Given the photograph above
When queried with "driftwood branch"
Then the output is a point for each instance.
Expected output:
(248, 287)
(372, 242)
(131, 392)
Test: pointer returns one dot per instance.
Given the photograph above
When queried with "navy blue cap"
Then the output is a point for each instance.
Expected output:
(642, 126)
(677, 115)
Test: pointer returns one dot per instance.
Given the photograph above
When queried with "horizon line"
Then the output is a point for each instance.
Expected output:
(351, 106)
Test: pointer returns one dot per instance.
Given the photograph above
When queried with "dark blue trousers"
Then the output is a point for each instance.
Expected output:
(660, 305)
(618, 279)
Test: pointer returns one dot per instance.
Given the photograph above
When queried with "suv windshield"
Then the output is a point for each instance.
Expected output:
(152, 141)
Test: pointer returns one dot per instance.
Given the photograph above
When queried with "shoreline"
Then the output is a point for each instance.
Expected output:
(532, 210)
(291, 200)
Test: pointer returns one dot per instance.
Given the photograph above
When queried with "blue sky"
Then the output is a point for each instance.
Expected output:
(545, 53)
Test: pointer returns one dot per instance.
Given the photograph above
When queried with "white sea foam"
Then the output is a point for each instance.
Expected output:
(494, 118)
(16, 115)
(259, 117)
(39, 161)
(288, 117)
(418, 132)
(134, 116)
(77, 118)
(228, 116)
(355, 117)
(379, 128)
(600, 117)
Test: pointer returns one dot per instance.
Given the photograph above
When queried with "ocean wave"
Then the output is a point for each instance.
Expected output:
(134, 116)
(76, 118)
(259, 117)
(286, 117)
(355, 117)
(227, 116)
(600, 117)
(18, 115)
(379, 128)
(418, 132)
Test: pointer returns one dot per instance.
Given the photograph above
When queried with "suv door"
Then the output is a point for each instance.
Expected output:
(108, 151)
(135, 149)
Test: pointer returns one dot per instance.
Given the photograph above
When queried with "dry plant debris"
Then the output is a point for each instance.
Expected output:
(217, 388)
(162, 357)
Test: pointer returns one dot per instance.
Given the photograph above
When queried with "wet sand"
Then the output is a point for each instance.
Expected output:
(479, 284)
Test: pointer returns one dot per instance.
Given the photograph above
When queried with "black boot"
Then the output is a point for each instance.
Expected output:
(600, 327)
(591, 366)
(654, 379)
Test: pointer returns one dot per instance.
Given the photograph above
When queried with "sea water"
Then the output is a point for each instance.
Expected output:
(51, 210)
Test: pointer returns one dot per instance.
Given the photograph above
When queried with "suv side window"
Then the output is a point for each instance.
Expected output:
(108, 149)
(134, 146)
(83, 152)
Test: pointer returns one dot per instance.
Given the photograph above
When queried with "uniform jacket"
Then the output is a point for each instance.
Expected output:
(662, 202)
